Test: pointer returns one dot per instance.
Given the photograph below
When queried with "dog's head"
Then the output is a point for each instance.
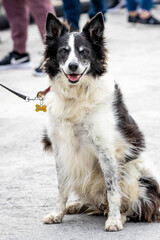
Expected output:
(74, 55)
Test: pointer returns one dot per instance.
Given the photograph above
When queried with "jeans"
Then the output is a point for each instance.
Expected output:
(71, 9)
(144, 4)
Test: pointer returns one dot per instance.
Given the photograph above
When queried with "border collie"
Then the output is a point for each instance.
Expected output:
(96, 144)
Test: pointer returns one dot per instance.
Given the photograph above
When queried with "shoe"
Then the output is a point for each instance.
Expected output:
(115, 5)
(15, 60)
(133, 19)
(38, 72)
(150, 21)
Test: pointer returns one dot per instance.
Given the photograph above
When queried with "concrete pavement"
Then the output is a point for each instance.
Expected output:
(28, 184)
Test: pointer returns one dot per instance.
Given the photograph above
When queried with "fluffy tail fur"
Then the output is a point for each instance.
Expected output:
(146, 209)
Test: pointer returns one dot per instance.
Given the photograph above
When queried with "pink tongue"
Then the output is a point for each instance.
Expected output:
(73, 77)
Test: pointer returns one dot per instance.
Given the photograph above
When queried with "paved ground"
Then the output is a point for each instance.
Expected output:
(28, 184)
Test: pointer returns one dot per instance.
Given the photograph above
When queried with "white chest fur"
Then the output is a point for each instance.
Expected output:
(87, 112)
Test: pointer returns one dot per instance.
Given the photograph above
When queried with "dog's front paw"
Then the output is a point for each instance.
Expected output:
(53, 218)
(113, 224)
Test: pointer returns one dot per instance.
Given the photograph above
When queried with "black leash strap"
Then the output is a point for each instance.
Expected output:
(16, 93)
(39, 97)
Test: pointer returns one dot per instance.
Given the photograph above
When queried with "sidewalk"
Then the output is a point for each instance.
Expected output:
(28, 184)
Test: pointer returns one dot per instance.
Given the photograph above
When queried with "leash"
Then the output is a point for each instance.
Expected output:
(40, 97)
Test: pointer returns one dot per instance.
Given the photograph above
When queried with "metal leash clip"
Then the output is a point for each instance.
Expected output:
(39, 97)
(40, 106)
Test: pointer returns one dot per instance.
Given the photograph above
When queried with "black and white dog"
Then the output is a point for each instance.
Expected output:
(96, 143)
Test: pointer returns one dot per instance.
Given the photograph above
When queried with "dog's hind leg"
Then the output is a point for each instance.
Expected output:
(76, 208)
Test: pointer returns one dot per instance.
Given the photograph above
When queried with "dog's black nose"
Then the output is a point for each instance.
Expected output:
(73, 66)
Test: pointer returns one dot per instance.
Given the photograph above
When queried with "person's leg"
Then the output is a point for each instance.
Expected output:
(97, 6)
(39, 10)
(145, 16)
(131, 5)
(71, 9)
(145, 6)
(18, 17)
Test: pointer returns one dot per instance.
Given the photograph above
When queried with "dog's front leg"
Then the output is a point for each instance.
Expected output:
(109, 167)
(57, 215)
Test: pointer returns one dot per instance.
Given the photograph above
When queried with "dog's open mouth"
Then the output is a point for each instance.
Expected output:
(73, 78)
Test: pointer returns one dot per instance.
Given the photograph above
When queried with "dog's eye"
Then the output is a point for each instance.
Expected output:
(63, 51)
(84, 52)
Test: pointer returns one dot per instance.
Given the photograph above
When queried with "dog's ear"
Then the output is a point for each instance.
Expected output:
(54, 28)
(95, 27)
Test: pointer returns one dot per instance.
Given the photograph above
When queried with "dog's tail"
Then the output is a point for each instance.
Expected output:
(147, 206)
(47, 144)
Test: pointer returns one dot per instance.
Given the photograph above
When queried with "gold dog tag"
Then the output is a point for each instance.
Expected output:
(41, 108)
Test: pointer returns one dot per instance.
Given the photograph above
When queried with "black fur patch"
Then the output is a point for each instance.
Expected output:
(97, 58)
(149, 212)
(93, 32)
(127, 126)
(51, 65)
(47, 144)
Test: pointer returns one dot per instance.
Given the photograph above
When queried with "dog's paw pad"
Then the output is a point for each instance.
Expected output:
(52, 218)
(113, 224)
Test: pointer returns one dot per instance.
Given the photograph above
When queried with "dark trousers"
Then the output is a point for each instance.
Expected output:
(144, 4)
(71, 10)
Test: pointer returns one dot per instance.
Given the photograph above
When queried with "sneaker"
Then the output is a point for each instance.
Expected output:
(150, 21)
(38, 72)
(135, 19)
(15, 60)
